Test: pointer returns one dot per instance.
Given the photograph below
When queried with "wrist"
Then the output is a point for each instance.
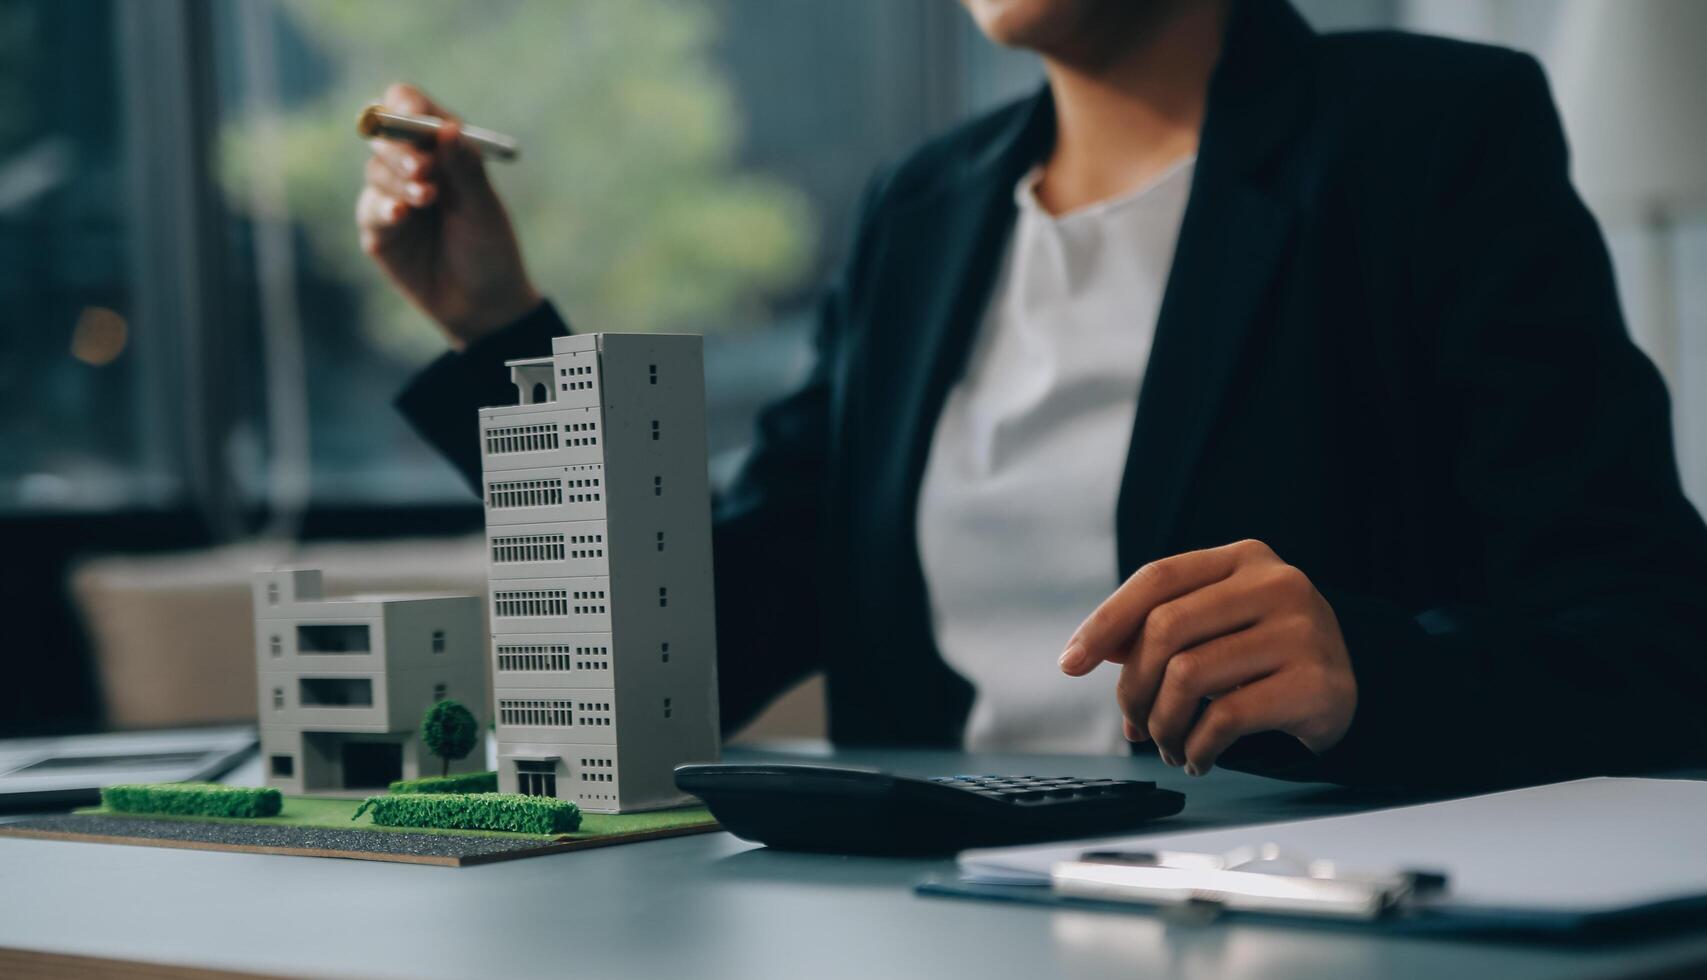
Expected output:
(487, 316)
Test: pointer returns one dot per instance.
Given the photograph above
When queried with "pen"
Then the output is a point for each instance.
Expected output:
(378, 122)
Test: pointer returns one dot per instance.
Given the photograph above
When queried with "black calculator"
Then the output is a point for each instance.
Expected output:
(865, 811)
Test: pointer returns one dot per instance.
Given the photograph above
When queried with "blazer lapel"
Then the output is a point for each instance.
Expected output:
(1231, 240)
(948, 246)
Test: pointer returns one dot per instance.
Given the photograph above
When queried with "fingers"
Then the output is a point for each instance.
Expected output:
(1109, 631)
(406, 160)
(463, 167)
(1253, 592)
(404, 97)
(1176, 625)
(378, 217)
(387, 181)
(1209, 670)
(1264, 706)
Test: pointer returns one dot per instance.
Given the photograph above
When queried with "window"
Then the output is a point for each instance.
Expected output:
(654, 430)
(275, 646)
(541, 657)
(660, 540)
(90, 235)
(438, 641)
(335, 692)
(666, 707)
(536, 777)
(522, 439)
(524, 493)
(664, 651)
(539, 713)
(511, 549)
(438, 693)
(532, 602)
(598, 771)
(663, 596)
(652, 374)
(332, 638)
(657, 486)
(278, 698)
(272, 593)
(283, 766)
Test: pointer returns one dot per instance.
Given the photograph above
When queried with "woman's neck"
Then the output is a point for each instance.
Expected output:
(1130, 104)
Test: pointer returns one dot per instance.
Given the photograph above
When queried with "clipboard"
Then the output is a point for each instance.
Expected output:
(1589, 859)
(1264, 878)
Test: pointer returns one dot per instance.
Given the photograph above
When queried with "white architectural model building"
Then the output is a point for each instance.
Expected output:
(344, 682)
(598, 527)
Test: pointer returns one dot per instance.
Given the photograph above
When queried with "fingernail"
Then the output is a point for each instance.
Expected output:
(1192, 770)
(417, 193)
(1074, 658)
(411, 166)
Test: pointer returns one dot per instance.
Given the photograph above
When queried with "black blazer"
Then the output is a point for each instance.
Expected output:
(1389, 348)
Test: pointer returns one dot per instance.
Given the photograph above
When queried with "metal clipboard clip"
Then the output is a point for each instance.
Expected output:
(1264, 878)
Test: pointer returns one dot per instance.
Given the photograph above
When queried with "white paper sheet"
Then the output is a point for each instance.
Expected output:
(1593, 845)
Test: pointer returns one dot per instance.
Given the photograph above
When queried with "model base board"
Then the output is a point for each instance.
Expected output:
(310, 826)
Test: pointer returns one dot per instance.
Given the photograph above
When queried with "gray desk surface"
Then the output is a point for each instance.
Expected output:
(711, 906)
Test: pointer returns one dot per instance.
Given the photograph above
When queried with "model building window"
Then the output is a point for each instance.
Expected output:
(535, 602)
(275, 646)
(278, 698)
(438, 641)
(272, 593)
(525, 493)
(653, 374)
(664, 648)
(556, 714)
(284, 766)
(663, 596)
(654, 430)
(657, 486)
(332, 638)
(666, 707)
(335, 692)
(521, 439)
(536, 778)
(533, 657)
(439, 692)
(527, 548)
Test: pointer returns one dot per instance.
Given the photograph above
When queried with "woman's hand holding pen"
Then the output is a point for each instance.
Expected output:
(1234, 625)
(431, 219)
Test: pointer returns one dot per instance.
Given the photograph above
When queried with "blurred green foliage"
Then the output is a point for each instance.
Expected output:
(632, 209)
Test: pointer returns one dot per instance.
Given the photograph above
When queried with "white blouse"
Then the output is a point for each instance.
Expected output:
(1016, 511)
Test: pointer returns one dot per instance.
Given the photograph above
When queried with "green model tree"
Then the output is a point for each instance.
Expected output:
(450, 732)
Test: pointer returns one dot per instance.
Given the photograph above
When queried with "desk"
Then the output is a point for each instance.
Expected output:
(712, 906)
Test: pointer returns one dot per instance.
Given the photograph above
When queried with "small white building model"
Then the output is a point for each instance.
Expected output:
(598, 526)
(344, 682)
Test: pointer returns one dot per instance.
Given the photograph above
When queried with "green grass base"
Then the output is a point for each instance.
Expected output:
(325, 811)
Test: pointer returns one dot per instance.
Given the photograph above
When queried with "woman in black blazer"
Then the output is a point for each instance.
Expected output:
(1400, 504)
